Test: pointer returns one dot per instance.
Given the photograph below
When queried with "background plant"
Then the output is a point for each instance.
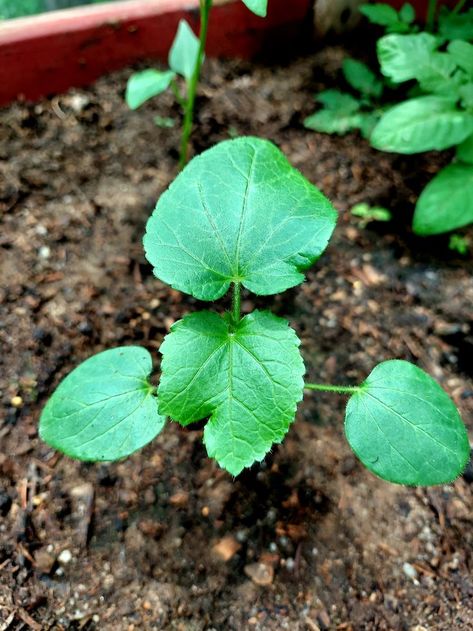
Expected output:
(436, 115)
(240, 216)
(185, 60)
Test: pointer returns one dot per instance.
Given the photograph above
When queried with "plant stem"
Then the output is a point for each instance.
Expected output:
(236, 303)
(431, 15)
(459, 6)
(205, 6)
(328, 388)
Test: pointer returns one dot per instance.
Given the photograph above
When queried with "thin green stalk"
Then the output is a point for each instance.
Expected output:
(205, 6)
(459, 6)
(236, 303)
(431, 15)
(321, 387)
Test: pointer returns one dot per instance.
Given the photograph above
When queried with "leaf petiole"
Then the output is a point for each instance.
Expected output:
(236, 303)
(322, 387)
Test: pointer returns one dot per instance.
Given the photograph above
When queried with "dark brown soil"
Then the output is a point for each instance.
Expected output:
(139, 544)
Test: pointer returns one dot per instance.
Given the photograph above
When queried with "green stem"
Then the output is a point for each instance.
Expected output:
(328, 388)
(459, 6)
(431, 14)
(236, 303)
(205, 6)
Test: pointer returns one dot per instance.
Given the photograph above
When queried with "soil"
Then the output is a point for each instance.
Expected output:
(308, 540)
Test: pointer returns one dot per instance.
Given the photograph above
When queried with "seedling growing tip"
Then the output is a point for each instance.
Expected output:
(185, 60)
(240, 215)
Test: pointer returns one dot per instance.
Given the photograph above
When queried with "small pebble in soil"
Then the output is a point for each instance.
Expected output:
(410, 571)
(260, 573)
(44, 252)
(226, 548)
(65, 557)
(16, 401)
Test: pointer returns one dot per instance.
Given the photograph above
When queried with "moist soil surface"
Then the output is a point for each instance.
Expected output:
(306, 540)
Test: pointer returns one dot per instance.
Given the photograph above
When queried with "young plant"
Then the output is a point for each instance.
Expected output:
(185, 60)
(438, 116)
(368, 213)
(343, 112)
(459, 244)
(240, 216)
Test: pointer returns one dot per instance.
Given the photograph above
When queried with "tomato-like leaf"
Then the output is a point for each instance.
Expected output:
(422, 124)
(401, 56)
(446, 203)
(362, 78)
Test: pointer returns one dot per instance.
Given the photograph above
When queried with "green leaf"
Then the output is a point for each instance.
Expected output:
(400, 56)
(330, 122)
(105, 408)
(239, 212)
(145, 85)
(260, 7)
(446, 203)
(466, 95)
(407, 13)
(247, 379)
(465, 150)
(405, 428)
(460, 244)
(456, 26)
(360, 77)
(380, 13)
(462, 54)
(184, 51)
(368, 122)
(422, 124)
(436, 74)
(338, 102)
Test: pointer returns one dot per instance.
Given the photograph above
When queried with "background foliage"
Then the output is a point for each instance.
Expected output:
(19, 8)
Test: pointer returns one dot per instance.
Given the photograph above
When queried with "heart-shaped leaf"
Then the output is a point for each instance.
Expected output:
(260, 7)
(239, 212)
(405, 428)
(145, 85)
(105, 408)
(184, 51)
(446, 203)
(247, 379)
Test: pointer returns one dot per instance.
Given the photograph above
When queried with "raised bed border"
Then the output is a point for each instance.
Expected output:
(49, 53)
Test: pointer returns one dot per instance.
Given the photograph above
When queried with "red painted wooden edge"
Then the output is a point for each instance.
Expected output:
(50, 53)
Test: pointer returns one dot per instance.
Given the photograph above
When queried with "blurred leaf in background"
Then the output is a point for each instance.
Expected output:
(19, 8)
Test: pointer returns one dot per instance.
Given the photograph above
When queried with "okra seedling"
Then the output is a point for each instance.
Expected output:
(185, 60)
(240, 216)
